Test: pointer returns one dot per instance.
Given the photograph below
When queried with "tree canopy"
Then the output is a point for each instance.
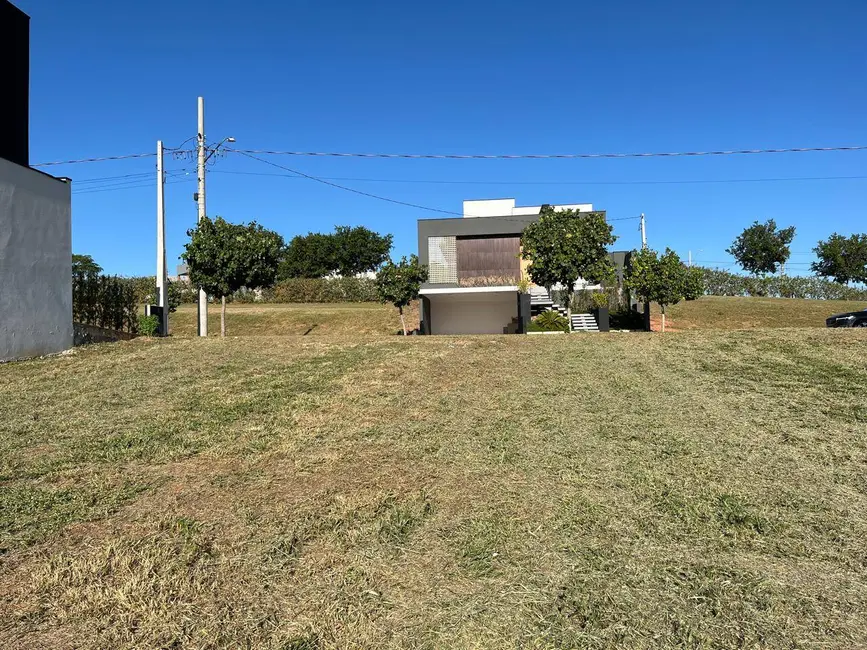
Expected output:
(347, 251)
(85, 264)
(663, 279)
(762, 248)
(842, 258)
(224, 257)
(565, 245)
(399, 284)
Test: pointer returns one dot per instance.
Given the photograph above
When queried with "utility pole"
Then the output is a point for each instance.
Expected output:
(643, 232)
(200, 198)
(162, 279)
(689, 264)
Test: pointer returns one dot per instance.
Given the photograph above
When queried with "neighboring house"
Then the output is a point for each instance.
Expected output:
(35, 217)
(474, 265)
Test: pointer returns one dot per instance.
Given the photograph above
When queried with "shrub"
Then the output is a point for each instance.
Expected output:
(322, 290)
(599, 300)
(523, 285)
(549, 321)
(489, 281)
(148, 325)
(104, 301)
(717, 282)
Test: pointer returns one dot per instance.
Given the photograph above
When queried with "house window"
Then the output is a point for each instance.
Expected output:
(442, 260)
(491, 257)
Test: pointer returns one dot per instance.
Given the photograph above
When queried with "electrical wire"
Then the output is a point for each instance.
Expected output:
(89, 160)
(376, 196)
(466, 182)
(129, 187)
(666, 154)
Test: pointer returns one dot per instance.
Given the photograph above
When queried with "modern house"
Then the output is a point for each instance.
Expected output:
(474, 265)
(35, 217)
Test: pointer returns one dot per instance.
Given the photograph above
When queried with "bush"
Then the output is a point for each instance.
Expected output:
(549, 321)
(717, 282)
(104, 301)
(148, 325)
(322, 290)
(489, 281)
(599, 300)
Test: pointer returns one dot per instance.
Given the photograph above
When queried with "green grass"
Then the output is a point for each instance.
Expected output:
(705, 489)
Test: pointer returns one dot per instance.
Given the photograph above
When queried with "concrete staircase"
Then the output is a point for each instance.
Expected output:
(540, 301)
(584, 323)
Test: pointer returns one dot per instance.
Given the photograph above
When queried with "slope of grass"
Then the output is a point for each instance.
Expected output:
(729, 313)
(311, 319)
(702, 490)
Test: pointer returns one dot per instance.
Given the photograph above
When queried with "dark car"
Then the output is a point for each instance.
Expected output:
(851, 319)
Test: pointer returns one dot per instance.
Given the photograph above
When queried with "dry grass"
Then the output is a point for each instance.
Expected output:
(716, 312)
(700, 490)
(297, 319)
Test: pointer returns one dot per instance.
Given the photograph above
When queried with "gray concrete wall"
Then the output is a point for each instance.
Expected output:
(35, 263)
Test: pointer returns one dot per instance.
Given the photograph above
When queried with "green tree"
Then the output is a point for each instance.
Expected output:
(663, 279)
(842, 258)
(694, 284)
(358, 250)
(762, 248)
(308, 256)
(400, 283)
(224, 257)
(565, 245)
(85, 264)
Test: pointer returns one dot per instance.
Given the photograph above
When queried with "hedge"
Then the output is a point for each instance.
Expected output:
(105, 301)
(724, 283)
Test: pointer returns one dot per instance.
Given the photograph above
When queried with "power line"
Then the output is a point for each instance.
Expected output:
(129, 187)
(666, 154)
(466, 182)
(89, 160)
(375, 196)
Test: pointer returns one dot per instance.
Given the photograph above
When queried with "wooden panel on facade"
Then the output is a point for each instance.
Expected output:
(488, 256)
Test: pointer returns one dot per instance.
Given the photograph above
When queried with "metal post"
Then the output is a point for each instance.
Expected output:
(162, 280)
(643, 233)
(203, 297)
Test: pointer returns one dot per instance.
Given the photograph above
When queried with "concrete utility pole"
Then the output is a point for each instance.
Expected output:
(162, 279)
(643, 232)
(689, 264)
(200, 197)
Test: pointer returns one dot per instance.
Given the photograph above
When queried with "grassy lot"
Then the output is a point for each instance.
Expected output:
(717, 312)
(301, 319)
(698, 490)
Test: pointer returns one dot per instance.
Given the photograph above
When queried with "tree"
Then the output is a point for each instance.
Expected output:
(223, 257)
(308, 256)
(563, 246)
(762, 248)
(400, 283)
(842, 258)
(358, 250)
(664, 279)
(84, 264)
(694, 285)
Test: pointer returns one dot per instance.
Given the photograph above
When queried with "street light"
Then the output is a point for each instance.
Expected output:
(222, 142)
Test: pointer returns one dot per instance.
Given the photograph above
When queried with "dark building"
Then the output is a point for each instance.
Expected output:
(14, 84)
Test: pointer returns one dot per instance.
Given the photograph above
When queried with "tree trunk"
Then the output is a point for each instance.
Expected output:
(663, 319)
(223, 318)
(402, 321)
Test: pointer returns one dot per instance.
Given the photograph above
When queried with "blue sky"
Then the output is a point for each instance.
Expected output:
(504, 77)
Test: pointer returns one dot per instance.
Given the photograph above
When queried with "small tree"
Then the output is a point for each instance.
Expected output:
(842, 258)
(225, 257)
(694, 284)
(566, 245)
(762, 248)
(400, 283)
(84, 264)
(358, 250)
(664, 279)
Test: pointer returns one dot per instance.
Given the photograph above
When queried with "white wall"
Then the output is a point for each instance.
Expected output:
(35, 263)
(507, 207)
(472, 313)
